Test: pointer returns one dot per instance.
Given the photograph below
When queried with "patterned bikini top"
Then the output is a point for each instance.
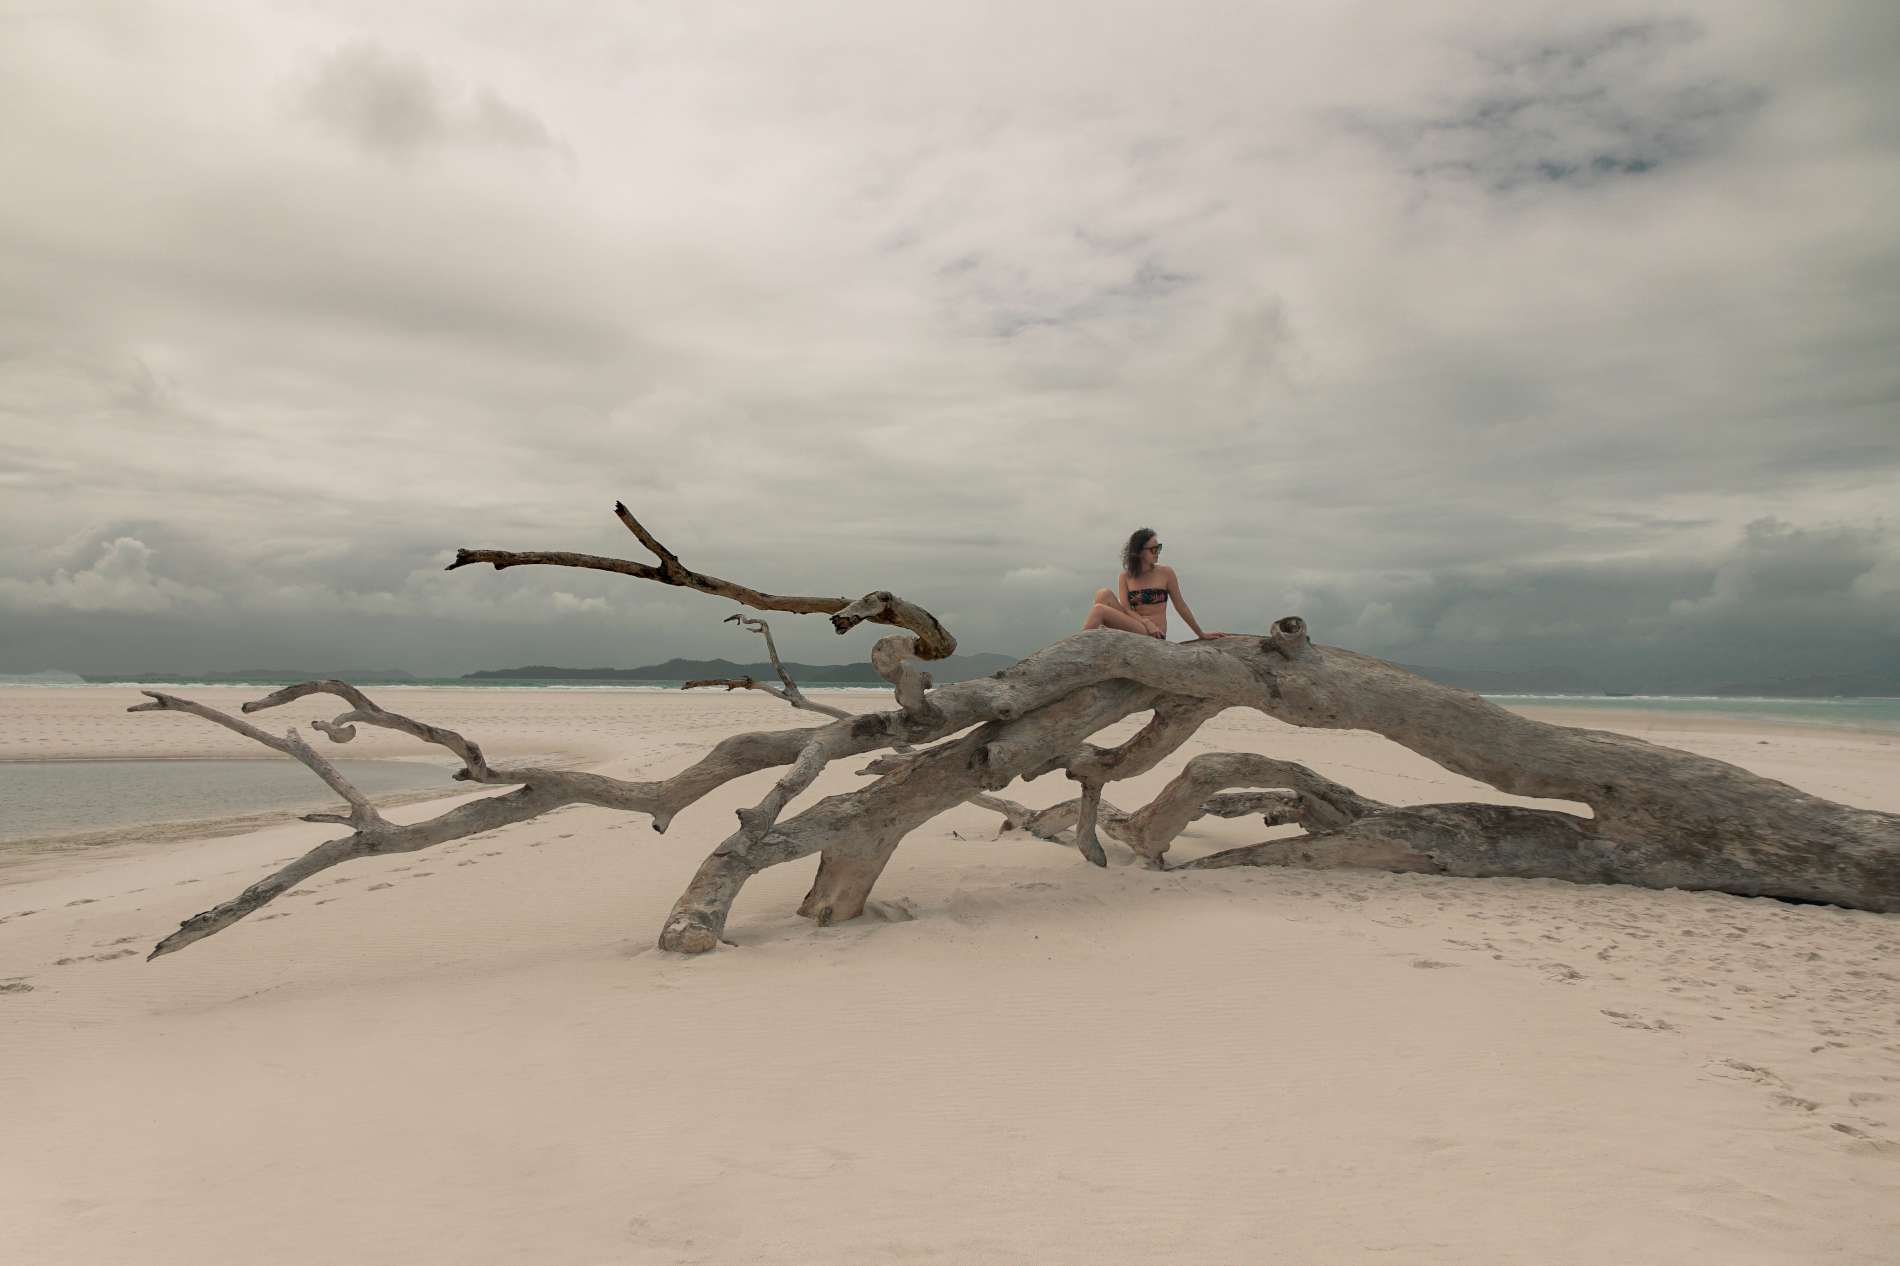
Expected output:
(1147, 597)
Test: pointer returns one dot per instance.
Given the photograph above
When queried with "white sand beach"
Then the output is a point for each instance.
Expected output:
(474, 1054)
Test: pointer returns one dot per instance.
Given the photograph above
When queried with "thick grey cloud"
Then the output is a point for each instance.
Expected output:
(394, 105)
(1484, 337)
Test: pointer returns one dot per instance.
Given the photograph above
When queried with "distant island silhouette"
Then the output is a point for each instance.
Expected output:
(955, 668)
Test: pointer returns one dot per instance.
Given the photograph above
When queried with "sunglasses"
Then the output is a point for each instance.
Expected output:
(1156, 547)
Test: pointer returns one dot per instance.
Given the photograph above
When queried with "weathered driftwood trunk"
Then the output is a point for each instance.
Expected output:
(1660, 817)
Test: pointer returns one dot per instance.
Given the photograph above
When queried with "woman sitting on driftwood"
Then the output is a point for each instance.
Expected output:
(1139, 602)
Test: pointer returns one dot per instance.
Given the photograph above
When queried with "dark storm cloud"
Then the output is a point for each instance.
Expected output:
(1782, 601)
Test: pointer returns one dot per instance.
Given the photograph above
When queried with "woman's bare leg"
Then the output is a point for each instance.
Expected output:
(1108, 613)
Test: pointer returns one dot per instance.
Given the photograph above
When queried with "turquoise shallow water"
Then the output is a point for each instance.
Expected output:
(44, 798)
(1860, 714)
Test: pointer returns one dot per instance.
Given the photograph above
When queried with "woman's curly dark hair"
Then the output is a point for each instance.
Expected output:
(1131, 552)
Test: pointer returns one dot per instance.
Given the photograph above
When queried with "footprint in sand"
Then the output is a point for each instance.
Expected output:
(83, 901)
(1859, 1135)
(1430, 964)
(1625, 1020)
(15, 985)
(93, 958)
(375, 887)
(1742, 1071)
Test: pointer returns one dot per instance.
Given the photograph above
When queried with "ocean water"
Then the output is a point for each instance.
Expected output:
(1853, 713)
(1859, 714)
(45, 798)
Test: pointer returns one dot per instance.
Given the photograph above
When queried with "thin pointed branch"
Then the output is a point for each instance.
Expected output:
(383, 838)
(363, 711)
(362, 815)
(669, 561)
(933, 641)
(790, 692)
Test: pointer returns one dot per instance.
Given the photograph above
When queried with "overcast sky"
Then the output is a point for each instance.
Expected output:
(1480, 335)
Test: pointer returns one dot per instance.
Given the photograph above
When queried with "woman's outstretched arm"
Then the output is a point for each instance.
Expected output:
(1180, 604)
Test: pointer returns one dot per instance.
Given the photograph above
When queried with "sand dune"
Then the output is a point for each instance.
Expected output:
(473, 1055)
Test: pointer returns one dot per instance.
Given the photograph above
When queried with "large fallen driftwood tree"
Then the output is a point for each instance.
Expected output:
(1660, 818)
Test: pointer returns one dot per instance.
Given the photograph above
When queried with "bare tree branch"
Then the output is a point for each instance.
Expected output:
(385, 838)
(363, 711)
(933, 641)
(789, 692)
(362, 814)
(1322, 803)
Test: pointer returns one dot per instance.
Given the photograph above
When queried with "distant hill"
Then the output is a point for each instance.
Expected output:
(943, 671)
(358, 675)
(297, 674)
